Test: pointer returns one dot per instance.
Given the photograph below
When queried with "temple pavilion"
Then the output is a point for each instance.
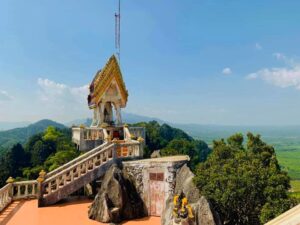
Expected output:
(108, 94)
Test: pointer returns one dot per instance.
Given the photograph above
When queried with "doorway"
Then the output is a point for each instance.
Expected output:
(157, 194)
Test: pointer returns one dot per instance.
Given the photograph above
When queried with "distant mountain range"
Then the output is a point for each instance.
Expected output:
(126, 117)
(21, 135)
(12, 125)
(207, 133)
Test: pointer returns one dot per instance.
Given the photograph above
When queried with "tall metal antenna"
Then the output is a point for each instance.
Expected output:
(118, 31)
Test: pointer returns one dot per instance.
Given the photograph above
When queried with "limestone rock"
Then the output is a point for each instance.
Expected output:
(184, 182)
(155, 154)
(203, 212)
(117, 199)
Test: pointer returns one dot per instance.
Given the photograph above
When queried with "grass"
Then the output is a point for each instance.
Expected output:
(289, 161)
(295, 192)
(295, 185)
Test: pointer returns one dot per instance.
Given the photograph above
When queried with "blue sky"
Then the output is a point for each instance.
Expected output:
(196, 61)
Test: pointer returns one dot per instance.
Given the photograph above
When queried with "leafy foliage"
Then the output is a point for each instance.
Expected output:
(47, 150)
(244, 183)
(173, 141)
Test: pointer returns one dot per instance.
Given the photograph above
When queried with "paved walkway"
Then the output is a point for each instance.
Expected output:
(72, 213)
(291, 217)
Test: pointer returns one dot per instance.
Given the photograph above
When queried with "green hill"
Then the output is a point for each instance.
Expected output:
(20, 135)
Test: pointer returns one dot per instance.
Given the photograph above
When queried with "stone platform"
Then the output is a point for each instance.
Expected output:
(71, 213)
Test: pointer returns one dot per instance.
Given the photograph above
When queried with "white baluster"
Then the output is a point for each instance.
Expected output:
(72, 175)
(26, 190)
(33, 189)
(19, 191)
(57, 181)
(49, 189)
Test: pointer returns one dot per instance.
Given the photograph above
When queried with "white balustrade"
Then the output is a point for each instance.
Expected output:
(5, 196)
(77, 170)
(76, 134)
(76, 160)
(69, 172)
(17, 191)
(129, 149)
(137, 132)
(25, 189)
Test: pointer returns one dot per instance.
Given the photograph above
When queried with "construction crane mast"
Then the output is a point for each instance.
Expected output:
(118, 30)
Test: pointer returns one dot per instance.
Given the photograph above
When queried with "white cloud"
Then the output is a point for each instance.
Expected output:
(279, 56)
(4, 96)
(283, 77)
(63, 101)
(227, 71)
(52, 91)
(258, 46)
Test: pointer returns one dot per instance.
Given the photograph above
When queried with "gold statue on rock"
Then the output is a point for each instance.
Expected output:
(182, 211)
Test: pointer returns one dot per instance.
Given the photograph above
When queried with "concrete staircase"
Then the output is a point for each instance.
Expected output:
(70, 177)
(74, 175)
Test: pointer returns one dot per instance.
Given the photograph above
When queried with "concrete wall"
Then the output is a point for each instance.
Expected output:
(139, 171)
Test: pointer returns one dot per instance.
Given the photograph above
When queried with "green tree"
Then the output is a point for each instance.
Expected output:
(244, 184)
(51, 134)
(40, 152)
(161, 137)
(16, 159)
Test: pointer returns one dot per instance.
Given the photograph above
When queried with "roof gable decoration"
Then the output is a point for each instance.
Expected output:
(109, 75)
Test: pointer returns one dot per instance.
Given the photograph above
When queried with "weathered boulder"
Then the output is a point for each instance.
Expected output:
(203, 212)
(117, 199)
(155, 154)
(184, 182)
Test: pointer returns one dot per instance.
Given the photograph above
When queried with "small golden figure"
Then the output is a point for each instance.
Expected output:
(182, 210)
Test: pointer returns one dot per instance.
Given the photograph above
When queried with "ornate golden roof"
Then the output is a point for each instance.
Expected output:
(102, 81)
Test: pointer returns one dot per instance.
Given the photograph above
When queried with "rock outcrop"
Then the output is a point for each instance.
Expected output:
(117, 199)
(203, 212)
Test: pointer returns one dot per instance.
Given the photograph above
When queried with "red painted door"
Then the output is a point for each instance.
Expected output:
(157, 195)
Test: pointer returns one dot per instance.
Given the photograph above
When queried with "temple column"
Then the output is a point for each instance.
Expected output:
(118, 114)
(101, 113)
(95, 117)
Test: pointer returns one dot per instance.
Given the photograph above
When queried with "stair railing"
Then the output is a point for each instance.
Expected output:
(78, 169)
(16, 191)
(25, 189)
(5, 196)
(76, 160)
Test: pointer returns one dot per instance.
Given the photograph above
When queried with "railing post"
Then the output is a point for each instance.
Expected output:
(40, 190)
(114, 153)
(114, 150)
(26, 191)
(141, 147)
(11, 181)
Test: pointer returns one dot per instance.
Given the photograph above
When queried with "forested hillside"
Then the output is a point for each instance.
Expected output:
(21, 135)
(53, 147)
(173, 141)
(243, 180)
(46, 150)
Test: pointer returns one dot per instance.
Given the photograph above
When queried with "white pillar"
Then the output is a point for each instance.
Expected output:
(118, 114)
(95, 118)
(101, 113)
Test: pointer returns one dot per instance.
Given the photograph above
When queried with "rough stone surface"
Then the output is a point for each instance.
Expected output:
(184, 182)
(155, 154)
(139, 171)
(117, 199)
(203, 212)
